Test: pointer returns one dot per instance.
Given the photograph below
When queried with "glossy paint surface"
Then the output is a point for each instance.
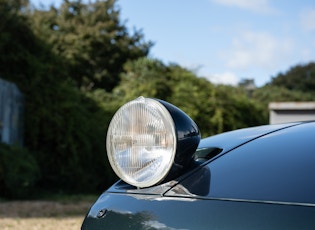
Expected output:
(154, 212)
(278, 167)
(263, 179)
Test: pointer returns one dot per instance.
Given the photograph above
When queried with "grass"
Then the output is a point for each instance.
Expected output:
(61, 212)
(66, 223)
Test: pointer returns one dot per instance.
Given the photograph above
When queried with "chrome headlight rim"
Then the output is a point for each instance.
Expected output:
(127, 165)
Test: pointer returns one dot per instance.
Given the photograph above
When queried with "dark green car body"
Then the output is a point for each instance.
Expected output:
(254, 178)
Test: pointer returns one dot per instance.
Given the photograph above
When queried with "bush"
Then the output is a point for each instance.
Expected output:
(19, 172)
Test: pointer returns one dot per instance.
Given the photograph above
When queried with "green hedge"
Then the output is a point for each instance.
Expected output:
(19, 172)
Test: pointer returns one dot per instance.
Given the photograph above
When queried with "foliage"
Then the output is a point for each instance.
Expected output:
(299, 77)
(63, 127)
(270, 93)
(214, 108)
(239, 111)
(143, 77)
(76, 65)
(13, 6)
(70, 142)
(92, 39)
(19, 172)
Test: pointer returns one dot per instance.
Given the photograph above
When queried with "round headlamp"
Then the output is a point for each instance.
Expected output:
(142, 142)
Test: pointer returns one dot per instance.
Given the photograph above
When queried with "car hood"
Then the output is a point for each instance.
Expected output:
(226, 141)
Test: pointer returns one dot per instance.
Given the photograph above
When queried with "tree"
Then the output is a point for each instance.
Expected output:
(144, 77)
(92, 38)
(13, 6)
(300, 77)
(269, 93)
(296, 84)
(64, 128)
(214, 108)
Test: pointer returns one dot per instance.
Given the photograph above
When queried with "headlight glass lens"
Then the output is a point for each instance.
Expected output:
(141, 142)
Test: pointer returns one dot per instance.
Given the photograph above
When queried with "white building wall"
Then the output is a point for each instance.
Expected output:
(283, 112)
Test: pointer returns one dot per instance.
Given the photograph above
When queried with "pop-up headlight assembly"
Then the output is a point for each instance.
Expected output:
(149, 141)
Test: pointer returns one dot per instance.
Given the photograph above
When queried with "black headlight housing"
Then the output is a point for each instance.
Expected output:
(150, 141)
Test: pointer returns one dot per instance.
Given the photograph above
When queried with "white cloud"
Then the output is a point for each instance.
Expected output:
(307, 19)
(257, 50)
(252, 5)
(226, 78)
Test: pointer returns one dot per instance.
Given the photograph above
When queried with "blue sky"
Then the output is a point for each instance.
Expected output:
(225, 40)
